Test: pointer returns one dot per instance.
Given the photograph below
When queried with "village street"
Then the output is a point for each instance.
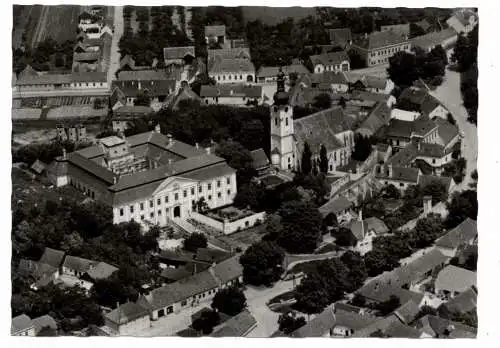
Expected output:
(449, 94)
(114, 60)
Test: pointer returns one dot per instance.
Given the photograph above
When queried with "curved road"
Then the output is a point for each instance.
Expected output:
(114, 60)
(449, 94)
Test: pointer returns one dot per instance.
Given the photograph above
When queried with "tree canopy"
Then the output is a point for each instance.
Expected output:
(230, 301)
(262, 263)
(194, 241)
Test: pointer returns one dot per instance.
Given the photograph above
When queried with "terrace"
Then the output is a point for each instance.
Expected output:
(229, 219)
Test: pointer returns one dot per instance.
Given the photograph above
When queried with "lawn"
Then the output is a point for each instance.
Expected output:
(304, 267)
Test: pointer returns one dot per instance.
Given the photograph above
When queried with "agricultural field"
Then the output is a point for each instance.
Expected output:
(58, 22)
(275, 15)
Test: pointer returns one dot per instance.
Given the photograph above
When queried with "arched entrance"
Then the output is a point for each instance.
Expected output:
(177, 211)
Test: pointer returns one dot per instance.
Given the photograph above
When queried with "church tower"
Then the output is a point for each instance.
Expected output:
(282, 137)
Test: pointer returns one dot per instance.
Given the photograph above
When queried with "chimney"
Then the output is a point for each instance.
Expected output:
(427, 205)
(366, 35)
(208, 150)
(197, 145)
(64, 153)
(114, 180)
(158, 128)
(360, 215)
(117, 304)
(139, 85)
(170, 139)
(389, 170)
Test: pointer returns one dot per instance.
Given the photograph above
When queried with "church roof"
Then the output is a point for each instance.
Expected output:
(321, 128)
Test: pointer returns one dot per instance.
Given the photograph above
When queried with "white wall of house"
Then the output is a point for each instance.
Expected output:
(340, 87)
(341, 66)
(181, 193)
(401, 185)
(365, 245)
(230, 100)
(233, 77)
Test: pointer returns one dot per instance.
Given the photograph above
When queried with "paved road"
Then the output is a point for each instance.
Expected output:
(293, 260)
(267, 320)
(449, 94)
(114, 60)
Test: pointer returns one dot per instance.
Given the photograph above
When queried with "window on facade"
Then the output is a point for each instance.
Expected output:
(228, 180)
(166, 199)
(200, 188)
(121, 211)
(286, 121)
(131, 209)
(209, 186)
(228, 192)
(184, 193)
(176, 196)
(141, 206)
(218, 183)
(224, 77)
(229, 77)
(219, 194)
(401, 184)
(192, 191)
(159, 212)
(183, 303)
(433, 161)
(158, 201)
(209, 197)
(276, 121)
(151, 204)
(241, 77)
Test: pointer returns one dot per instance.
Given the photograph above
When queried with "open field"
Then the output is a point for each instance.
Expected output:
(274, 15)
(58, 22)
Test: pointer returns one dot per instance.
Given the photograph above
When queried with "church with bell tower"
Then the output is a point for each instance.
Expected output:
(283, 149)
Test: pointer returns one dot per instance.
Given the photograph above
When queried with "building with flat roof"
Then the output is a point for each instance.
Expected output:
(149, 177)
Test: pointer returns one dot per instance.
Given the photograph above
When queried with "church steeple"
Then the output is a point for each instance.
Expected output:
(280, 97)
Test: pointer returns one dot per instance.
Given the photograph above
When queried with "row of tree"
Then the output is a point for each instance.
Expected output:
(465, 56)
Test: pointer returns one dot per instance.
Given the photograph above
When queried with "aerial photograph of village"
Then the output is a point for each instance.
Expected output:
(244, 171)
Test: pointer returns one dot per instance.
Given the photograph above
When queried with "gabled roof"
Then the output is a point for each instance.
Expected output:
(446, 131)
(402, 29)
(271, 71)
(229, 269)
(321, 128)
(143, 75)
(231, 90)
(232, 65)
(178, 52)
(328, 59)
(463, 302)
(181, 290)
(78, 264)
(463, 15)
(398, 173)
(77, 159)
(431, 40)
(127, 60)
(126, 313)
(238, 326)
(259, 158)
(52, 257)
(455, 279)
(407, 312)
(405, 129)
(136, 109)
(89, 76)
(215, 30)
(379, 117)
(86, 56)
(319, 326)
(463, 233)
(352, 320)
(38, 166)
(20, 323)
(44, 321)
(186, 93)
(340, 36)
(335, 206)
(371, 224)
(102, 271)
(131, 88)
(437, 326)
(229, 53)
(380, 39)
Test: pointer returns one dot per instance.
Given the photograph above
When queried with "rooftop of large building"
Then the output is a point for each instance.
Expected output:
(381, 39)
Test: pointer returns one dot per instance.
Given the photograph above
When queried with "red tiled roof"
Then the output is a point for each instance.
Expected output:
(178, 52)
(328, 59)
(462, 234)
